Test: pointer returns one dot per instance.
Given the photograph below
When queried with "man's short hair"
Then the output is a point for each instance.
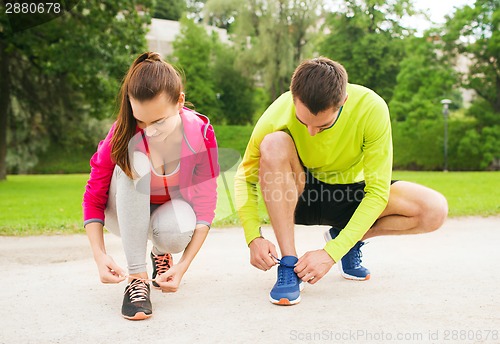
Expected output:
(319, 84)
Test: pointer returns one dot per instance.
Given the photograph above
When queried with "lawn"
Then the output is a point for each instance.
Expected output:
(51, 204)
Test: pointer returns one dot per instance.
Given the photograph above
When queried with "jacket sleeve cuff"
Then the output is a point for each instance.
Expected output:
(333, 251)
(250, 235)
(86, 222)
(208, 224)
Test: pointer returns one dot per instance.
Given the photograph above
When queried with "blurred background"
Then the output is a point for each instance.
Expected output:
(59, 80)
(436, 63)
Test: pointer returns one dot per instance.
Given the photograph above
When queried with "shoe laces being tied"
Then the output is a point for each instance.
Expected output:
(286, 274)
(138, 290)
(163, 263)
(357, 254)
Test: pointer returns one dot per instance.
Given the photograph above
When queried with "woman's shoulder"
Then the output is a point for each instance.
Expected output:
(198, 131)
(194, 122)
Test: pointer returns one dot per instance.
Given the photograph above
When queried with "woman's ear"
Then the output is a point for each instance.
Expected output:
(180, 102)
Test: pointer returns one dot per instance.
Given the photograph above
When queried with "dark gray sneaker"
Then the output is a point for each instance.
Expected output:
(136, 301)
(161, 264)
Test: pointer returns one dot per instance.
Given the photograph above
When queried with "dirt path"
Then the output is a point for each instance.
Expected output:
(433, 288)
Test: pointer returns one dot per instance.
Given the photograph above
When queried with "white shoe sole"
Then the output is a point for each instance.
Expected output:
(286, 302)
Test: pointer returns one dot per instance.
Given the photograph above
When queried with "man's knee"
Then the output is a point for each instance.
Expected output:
(275, 148)
(435, 212)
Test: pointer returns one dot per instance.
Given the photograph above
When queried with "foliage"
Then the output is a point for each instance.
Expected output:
(423, 81)
(193, 49)
(419, 145)
(65, 160)
(213, 84)
(233, 136)
(272, 37)
(169, 9)
(236, 91)
(195, 10)
(221, 13)
(474, 32)
(367, 38)
(61, 73)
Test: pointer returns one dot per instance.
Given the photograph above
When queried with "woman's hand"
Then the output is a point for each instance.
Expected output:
(169, 281)
(109, 271)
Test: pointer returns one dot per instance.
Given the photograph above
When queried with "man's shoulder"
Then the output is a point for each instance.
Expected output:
(283, 103)
(363, 94)
(280, 111)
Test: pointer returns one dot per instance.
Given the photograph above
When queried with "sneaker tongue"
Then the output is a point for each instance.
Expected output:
(289, 260)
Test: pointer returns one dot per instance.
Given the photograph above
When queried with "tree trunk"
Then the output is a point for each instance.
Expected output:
(496, 104)
(4, 107)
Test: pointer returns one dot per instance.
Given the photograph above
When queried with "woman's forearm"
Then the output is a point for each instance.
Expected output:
(199, 236)
(95, 233)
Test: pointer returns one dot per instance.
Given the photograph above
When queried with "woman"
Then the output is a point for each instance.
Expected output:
(153, 177)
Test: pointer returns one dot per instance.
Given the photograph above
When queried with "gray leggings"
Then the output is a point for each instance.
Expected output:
(129, 215)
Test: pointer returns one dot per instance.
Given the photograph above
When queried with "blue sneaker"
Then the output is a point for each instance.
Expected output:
(350, 265)
(287, 289)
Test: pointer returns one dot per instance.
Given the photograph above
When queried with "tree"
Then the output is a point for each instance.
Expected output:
(221, 13)
(273, 36)
(169, 9)
(424, 79)
(212, 83)
(237, 93)
(366, 36)
(195, 10)
(474, 32)
(193, 56)
(57, 74)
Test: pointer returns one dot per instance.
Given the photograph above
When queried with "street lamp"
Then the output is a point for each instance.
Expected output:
(446, 103)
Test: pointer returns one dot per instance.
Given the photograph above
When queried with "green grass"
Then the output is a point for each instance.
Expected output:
(51, 204)
(233, 136)
(468, 193)
(41, 204)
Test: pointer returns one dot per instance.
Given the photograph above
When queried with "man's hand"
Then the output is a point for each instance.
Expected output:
(313, 265)
(260, 253)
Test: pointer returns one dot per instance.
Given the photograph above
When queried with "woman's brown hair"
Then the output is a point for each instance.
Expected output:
(148, 76)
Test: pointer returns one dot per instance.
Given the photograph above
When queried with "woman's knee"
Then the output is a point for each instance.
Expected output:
(173, 225)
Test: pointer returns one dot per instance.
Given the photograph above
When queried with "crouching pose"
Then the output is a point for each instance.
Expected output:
(322, 154)
(152, 177)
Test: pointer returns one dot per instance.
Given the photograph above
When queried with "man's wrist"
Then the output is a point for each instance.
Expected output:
(328, 253)
(259, 237)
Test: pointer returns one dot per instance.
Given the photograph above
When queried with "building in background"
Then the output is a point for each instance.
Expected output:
(163, 32)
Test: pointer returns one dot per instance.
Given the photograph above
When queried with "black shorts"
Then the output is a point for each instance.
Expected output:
(328, 204)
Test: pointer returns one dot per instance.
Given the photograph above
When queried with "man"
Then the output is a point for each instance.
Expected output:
(322, 154)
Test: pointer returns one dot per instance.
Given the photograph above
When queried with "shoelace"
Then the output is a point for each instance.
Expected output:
(138, 290)
(163, 263)
(286, 275)
(356, 255)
